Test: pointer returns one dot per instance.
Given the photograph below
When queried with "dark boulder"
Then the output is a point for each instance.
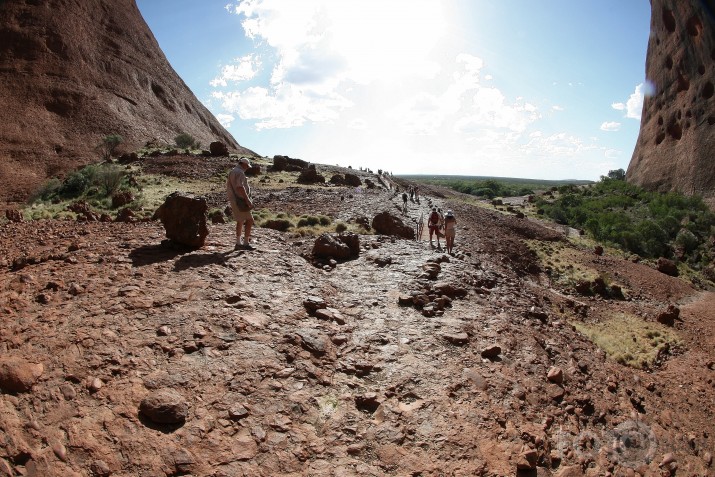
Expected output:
(340, 247)
(184, 218)
(352, 180)
(310, 175)
(218, 149)
(387, 224)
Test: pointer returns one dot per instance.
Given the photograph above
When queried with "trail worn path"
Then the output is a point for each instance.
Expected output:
(366, 386)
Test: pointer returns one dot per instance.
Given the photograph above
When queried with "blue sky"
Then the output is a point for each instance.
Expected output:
(513, 88)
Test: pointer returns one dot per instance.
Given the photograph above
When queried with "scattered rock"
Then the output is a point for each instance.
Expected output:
(94, 384)
(165, 406)
(667, 266)
(555, 375)
(457, 338)
(527, 459)
(313, 303)
(598, 250)
(18, 375)
(669, 315)
(491, 351)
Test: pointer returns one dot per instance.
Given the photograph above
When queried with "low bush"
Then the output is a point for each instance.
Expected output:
(646, 223)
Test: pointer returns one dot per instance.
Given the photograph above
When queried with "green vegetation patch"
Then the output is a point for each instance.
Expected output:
(649, 224)
(630, 340)
(304, 225)
(562, 263)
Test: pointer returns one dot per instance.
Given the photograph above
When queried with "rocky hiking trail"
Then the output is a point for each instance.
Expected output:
(122, 357)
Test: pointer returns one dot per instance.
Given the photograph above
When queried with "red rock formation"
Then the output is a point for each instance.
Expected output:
(677, 136)
(75, 71)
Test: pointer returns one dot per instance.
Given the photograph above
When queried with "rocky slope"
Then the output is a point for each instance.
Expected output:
(74, 72)
(123, 357)
(678, 123)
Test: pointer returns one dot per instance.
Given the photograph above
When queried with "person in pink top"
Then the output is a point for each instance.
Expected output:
(239, 196)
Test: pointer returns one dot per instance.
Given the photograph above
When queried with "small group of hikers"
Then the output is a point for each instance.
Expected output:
(239, 196)
(442, 225)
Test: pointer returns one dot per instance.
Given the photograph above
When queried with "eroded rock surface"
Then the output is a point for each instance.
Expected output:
(77, 72)
(678, 123)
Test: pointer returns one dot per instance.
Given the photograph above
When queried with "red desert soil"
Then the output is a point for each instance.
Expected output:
(97, 317)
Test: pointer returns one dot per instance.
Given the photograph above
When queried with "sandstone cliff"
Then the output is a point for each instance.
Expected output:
(72, 72)
(677, 135)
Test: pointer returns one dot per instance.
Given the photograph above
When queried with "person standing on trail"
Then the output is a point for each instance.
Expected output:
(239, 196)
(404, 202)
(433, 225)
(450, 230)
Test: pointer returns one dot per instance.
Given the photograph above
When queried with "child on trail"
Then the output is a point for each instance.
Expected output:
(450, 230)
(433, 225)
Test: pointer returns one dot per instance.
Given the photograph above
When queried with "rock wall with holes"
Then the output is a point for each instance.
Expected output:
(73, 72)
(676, 144)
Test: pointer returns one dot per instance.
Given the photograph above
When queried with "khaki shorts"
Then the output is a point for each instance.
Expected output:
(242, 216)
(450, 233)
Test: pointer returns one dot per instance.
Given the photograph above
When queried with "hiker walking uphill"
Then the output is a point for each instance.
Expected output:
(239, 196)
(450, 230)
(433, 225)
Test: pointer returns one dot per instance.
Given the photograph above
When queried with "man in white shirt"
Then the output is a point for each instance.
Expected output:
(239, 195)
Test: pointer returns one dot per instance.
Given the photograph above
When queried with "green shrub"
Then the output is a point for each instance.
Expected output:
(74, 185)
(308, 221)
(184, 140)
(48, 190)
(109, 178)
(340, 227)
(642, 222)
(109, 145)
(325, 221)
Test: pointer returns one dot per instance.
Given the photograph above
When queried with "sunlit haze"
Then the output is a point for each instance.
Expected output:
(511, 88)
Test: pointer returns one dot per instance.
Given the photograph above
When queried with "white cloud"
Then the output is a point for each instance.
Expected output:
(557, 145)
(634, 105)
(243, 69)
(556, 107)
(324, 48)
(610, 126)
(290, 107)
(225, 119)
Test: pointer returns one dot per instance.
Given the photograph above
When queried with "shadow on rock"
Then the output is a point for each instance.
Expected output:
(151, 254)
(163, 428)
(200, 260)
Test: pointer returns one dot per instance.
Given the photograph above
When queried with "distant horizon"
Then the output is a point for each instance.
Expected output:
(459, 87)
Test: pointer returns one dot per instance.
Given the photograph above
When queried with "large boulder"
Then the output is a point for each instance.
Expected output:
(310, 175)
(185, 219)
(386, 223)
(285, 163)
(676, 139)
(352, 180)
(339, 247)
(218, 149)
